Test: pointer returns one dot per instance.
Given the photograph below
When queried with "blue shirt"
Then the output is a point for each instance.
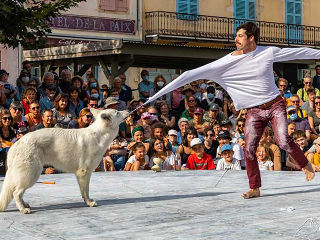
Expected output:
(76, 109)
(144, 87)
(45, 103)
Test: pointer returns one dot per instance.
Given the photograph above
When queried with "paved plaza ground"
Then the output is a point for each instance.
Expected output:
(168, 205)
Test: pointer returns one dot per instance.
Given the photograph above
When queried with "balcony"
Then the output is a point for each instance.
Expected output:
(200, 28)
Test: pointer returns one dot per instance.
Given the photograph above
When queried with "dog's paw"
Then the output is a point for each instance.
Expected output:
(25, 210)
(92, 204)
(26, 205)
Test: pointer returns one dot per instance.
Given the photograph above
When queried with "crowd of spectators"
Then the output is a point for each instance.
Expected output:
(193, 127)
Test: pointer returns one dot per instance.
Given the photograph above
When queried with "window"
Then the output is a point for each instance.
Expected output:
(245, 9)
(188, 7)
(294, 19)
(113, 5)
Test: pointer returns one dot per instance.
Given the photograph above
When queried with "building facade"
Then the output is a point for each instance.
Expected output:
(169, 36)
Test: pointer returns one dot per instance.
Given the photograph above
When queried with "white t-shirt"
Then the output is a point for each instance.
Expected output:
(223, 165)
(132, 159)
(248, 78)
(265, 165)
(166, 163)
(237, 152)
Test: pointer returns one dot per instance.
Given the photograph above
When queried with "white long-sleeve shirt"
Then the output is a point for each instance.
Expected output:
(248, 78)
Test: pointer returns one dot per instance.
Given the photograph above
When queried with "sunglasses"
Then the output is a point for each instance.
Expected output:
(37, 107)
(198, 114)
(307, 82)
(210, 135)
(6, 118)
(295, 101)
(191, 101)
(292, 112)
(93, 105)
(89, 116)
(316, 103)
(17, 109)
(52, 89)
(32, 85)
(152, 113)
(240, 125)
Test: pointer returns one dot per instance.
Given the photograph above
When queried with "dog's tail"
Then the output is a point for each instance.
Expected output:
(6, 194)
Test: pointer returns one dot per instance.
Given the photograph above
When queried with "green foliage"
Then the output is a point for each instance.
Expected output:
(28, 21)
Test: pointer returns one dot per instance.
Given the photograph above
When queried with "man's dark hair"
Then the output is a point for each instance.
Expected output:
(317, 66)
(144, 72)
(251, 30)
(298, 134)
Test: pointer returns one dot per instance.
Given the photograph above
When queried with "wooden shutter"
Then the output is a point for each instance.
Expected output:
(251, 10)
(182, 6)
(240, 8)
(108, 5)
(193, 7)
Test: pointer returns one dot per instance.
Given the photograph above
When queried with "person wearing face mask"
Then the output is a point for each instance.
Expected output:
(121, 105)
(301, 123)
(159, 83)
(209, 99)
(22, 81)
(94, 88)
(145, 86)
(46, 102)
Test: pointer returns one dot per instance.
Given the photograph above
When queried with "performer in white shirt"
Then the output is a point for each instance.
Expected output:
(247, 75)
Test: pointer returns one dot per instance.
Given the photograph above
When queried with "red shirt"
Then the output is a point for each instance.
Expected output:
(205, 163)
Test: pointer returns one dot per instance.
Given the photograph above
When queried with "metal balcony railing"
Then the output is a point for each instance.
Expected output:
(223, 29)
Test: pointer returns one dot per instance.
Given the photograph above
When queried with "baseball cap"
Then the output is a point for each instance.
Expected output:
(214, 107)
(195, 141)
(223, 134)
(317, 141)
(226, 147)
(183, 120)
(145, 115)
(198, 110)
(173, 132)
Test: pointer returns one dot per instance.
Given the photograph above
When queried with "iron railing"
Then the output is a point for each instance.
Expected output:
(211, 28)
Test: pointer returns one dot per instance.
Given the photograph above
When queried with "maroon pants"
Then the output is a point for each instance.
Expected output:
(256, 121)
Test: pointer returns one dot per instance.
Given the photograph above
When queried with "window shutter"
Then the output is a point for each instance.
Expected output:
(108, 5)
(294, 12)
(252, 10)
(182, 6)
(194, 7)
(240, 9)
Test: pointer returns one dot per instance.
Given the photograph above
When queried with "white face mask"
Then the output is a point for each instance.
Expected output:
(160, 84)
(25, 79)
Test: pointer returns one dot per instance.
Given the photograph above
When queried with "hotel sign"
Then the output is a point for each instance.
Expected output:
(94, 24)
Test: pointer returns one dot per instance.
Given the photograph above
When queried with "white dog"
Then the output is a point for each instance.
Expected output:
(70, 150)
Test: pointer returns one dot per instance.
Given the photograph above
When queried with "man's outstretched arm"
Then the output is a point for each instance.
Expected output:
(210, 71)
(287, 54)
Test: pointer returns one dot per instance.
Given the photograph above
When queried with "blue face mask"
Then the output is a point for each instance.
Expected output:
(95, 95)
(116, 98)
(293, 116)
(93, 85)
(145, 78)
(210, 95)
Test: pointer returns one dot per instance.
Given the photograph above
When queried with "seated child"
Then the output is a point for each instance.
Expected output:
(264, 157)
(227, 161)
(114, 159)
(173, 136)
(199, 160)
(139, 160)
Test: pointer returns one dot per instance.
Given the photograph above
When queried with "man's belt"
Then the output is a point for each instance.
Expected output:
(268, 105)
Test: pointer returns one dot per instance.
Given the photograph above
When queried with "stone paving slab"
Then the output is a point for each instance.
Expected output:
(168, 205)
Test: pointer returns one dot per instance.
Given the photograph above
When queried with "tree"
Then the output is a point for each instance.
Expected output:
(28, 21)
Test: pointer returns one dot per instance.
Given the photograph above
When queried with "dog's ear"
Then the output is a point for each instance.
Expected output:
(95, 112)
(106, 117)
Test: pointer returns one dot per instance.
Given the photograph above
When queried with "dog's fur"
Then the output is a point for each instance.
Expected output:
(77, 151)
